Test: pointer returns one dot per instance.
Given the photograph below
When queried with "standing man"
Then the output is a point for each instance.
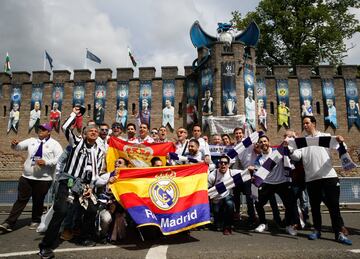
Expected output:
(322, 182)
(204, 146)
(76, 183)
(39, 168)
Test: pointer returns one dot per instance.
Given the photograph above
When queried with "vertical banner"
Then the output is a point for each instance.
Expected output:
(79, 94)
(15, 103)
(282, 93)
(35, 106)
(168, 102)
(329, 103)
(192, 96)
(122, 96)
(145, 102)
(56, 106)
(249, 99)
(352, 103)
(305, 97)
(228, 88)
(99, 102)
(207, 99)
(261, 103)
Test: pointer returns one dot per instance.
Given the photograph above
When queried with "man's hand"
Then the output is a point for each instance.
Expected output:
(40, 162)
(87, 192)
(14, 142)
(207, 159)
(112, 179)
(76, 110)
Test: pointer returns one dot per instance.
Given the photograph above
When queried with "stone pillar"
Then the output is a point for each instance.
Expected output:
(188, 70)
(82, 75)
(40, 77)
(61, 76)
(261, 71)
(103, 74)
(348, 71)
(124, 74)
(5, 78)
(326, 71)
(20, 77)
(169, 72)
(146, 73)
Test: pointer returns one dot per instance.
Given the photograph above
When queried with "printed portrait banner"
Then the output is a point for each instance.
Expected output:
(56, 105)
(305, 97)
(329, 103)
(207, 101)
(35, 106)
(138, 155)
(122, 97)
(249, 99)
(79, 93)
(352, 103)
(99, 102)
(145, 102)
(261, 103)
(192, 97)
(173, 198)
(168, 103)
(15, 105)
(228, 85)
(282, 93)
(226, 124)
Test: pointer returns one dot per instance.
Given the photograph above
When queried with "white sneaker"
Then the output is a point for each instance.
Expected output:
(291, 230)
(261, 228)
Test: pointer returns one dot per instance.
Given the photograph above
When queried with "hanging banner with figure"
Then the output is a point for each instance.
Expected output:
(192, 96)
(79, 94)
(168, 102)
(228, 88)
(305, 97)
(207, 86)
(226, 124)
(56, 106)
(282, 90)
(329, 103)
(35, 106)
(145, 102)
(99, 102)
(15, 103)
(122, 96)
(249, 97)
(261, 102)
(352, 103)
(172, 198)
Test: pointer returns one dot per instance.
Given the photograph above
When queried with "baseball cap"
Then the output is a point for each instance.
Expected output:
(45, 126)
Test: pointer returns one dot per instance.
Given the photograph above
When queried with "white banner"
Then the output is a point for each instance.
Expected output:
(225, 124)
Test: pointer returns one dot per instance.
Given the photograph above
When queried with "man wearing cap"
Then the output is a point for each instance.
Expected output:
(39, 168)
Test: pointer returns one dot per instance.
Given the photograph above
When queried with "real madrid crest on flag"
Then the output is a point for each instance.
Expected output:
(164, 192)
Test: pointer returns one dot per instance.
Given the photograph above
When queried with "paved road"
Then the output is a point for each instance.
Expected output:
(22, 243)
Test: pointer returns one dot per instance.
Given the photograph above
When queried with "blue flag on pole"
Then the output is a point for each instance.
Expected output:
(92, 57)
(49, 59)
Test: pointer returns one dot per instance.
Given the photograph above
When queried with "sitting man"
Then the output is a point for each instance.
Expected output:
(223, 206)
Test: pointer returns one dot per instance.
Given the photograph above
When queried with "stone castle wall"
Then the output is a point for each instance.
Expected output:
(11, 162)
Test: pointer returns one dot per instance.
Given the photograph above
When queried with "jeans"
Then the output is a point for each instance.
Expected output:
(245, 188)
(223, 212)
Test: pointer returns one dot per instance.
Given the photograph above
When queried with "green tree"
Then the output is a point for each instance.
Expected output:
(304, 32)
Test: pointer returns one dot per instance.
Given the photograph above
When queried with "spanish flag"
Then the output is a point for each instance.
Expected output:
(138, 155)
(172, 198)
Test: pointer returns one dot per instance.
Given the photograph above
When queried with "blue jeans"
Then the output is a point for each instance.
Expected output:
(223, 212)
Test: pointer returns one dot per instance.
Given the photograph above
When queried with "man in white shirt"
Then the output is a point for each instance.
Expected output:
(144, 134)
(39, 169)
(322, 182)
(203, 145)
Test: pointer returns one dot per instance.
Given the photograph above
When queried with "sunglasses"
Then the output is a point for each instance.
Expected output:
(116, 127)
(181, 131)
(154, 132)
(223, 162)
(106, 130)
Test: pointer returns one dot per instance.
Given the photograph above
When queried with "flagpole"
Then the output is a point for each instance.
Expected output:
(85, 63)
(44, 61)
(127, 58)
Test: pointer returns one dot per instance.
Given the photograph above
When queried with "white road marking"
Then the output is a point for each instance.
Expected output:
(157, 252)
(61, 250)
(356, 251)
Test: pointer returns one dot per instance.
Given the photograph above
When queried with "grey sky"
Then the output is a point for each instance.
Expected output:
(156, 31)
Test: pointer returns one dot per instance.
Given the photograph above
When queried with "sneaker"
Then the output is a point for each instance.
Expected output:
(343, 239)
(261, 228)
(87, 242)
(33, 225)
(5, 227)
(291, 230)
(314, 235)
(46, 253)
